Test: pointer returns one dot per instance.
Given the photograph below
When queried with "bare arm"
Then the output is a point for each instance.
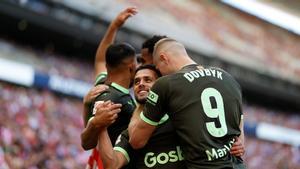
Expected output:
(242, 136)
(139, 133)
(111, 159)
(136, 115)
(89, 136)
(109, 38)
(238, 148)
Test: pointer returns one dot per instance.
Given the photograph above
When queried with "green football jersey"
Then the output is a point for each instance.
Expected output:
(205, 107)
(161, 152)
(100, 79)
(116, 94)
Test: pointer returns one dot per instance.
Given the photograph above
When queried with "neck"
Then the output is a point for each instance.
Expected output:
(119, 78)
(184, 62)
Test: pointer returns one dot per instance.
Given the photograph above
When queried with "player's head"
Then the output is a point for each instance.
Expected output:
(148, 47)
(139, 60)
(169, 56)
(121, 57)
(144, 79)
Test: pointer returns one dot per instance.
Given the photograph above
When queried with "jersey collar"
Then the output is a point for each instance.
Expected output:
(119, 87)
(189, 66)
(100, 77)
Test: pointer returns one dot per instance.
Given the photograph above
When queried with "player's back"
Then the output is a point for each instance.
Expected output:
(118, 94)
(206, 112)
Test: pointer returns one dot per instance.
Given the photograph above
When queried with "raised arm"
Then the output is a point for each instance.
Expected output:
(109, 38)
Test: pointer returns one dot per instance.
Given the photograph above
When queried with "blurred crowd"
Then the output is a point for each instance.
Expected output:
(267, 154)
(45, 61)
(39, 129)
(270, 155)
(258, 114)
(233, 35)
(236, 35)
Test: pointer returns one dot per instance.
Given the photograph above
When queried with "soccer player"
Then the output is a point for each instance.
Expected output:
(100, 73)
(161, 152)
(119, 58)
(148, 47)
(100, 70)
(204, 105)
(117, 55)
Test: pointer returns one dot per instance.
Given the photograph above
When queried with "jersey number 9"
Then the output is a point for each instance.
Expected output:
(217, 112)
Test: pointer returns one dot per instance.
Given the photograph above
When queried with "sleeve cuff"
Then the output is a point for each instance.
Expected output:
(148, 121)
(100, 77)
(124, 152)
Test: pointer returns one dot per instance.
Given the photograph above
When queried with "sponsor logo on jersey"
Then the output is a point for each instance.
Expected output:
(216, 153)
(153, 97)
(151, 159)
(130, 102)
(118, 139)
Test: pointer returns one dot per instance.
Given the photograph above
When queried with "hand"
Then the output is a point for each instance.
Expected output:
(238, 148)
(123, 16)
(106, 113)
(93, 93)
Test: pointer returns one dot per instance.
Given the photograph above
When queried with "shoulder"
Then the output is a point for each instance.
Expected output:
(228, 76)
(221, 70)
(161, 85)
(163, 81)
(100, 79)
(109, 94)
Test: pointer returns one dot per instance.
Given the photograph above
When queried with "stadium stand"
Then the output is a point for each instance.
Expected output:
(256, 114)
(45, 61)
(234, 35)
(39, 129)
(33, 113)
(40, 126)
(264, 154)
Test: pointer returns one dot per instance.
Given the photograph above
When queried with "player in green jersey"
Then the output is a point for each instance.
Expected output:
(161, 152)
(204, 105)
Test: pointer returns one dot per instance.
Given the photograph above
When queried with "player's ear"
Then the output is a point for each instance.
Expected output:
(132, 67)
(163, 58)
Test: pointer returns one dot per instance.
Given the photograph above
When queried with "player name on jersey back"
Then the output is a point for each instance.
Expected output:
(195, 74)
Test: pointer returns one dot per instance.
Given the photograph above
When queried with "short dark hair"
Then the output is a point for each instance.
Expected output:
(149, 43)
(151, 67)
(139, 58)
(116, 53)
